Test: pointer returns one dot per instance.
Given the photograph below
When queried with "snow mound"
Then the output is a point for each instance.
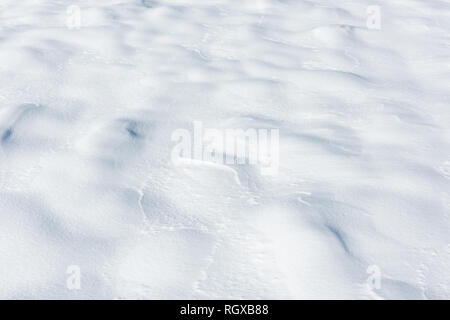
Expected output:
(91, 94)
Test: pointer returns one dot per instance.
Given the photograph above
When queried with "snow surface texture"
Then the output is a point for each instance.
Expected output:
(86, 177)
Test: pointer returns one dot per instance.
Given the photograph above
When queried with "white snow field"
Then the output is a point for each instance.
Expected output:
(93, 207)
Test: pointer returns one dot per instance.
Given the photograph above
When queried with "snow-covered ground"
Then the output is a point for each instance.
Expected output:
(92, 204)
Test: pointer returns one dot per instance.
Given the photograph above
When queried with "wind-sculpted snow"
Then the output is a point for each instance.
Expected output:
(91, 93)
